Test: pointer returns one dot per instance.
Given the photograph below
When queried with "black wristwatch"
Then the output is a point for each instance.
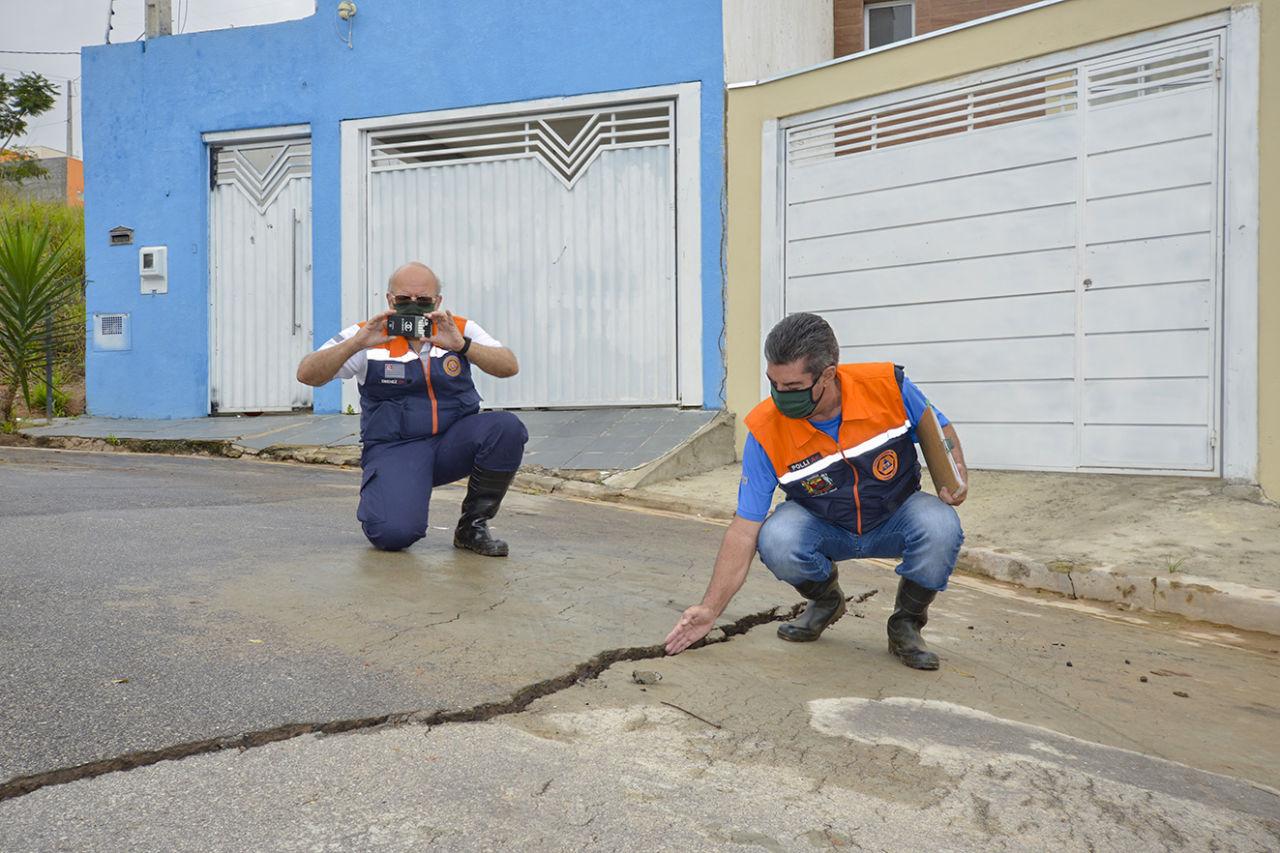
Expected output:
(466, 345)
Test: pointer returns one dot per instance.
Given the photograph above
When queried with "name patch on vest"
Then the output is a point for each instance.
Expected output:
(804, 463)
(393, 374)
(818, 484)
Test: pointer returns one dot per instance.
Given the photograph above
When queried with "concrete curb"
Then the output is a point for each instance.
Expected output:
(1201, 599)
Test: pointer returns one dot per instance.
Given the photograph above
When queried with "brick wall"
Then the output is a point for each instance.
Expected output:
(930, 15)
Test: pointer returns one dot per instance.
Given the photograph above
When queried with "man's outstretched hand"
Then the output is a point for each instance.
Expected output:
(694, 624)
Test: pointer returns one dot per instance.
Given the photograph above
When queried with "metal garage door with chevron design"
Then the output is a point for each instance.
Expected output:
(555, 230)
(1041, 250)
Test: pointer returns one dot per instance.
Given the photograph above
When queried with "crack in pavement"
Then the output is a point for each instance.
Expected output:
(520, 700)
(403, 631)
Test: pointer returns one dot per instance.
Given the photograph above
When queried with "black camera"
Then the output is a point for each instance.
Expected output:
(411, 326)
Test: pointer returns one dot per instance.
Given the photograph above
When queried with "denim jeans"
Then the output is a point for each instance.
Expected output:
(797, 546)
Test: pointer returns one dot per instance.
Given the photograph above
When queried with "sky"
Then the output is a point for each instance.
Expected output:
(68, 25)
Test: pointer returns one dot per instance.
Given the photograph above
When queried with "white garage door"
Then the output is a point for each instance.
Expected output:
(1041, 251)
(260, 275)
(555, 230)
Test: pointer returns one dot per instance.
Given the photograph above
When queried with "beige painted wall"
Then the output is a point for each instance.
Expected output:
(1021, 36)
(767, 37)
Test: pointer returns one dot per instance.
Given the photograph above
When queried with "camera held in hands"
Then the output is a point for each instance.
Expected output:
(411, 326)
(410, 320)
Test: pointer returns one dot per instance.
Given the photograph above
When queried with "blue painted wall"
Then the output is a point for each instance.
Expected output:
(147, 104)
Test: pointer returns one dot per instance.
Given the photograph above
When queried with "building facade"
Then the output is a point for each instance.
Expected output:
(1055, 219)
(560, 165)
(866, 24)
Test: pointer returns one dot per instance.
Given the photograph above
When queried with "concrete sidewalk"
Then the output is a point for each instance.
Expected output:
(1177, 545)
(1192, 547)
(628, 446)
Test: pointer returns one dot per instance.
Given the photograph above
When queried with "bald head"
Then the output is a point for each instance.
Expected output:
(413, 279)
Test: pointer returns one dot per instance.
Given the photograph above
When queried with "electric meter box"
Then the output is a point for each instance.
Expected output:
(153, 269)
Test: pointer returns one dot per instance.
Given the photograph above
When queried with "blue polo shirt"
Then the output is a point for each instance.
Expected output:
(755, 491)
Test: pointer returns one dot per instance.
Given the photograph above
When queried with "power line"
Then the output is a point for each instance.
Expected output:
(44, 52)
(41, 73)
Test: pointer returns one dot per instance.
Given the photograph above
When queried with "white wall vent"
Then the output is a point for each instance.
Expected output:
(1164, 68)
(111, 332)
(1024, 98)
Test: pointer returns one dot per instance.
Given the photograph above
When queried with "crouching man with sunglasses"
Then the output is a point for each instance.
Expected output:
(420, 421)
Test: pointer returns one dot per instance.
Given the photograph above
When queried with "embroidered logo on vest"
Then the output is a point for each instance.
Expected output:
(818, 484)
(885, 466)
(452, 365)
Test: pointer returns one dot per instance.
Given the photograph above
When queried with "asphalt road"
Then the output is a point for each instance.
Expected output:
(153, 601)
(156, 600)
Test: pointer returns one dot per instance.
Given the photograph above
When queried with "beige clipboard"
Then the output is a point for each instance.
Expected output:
(942, 465)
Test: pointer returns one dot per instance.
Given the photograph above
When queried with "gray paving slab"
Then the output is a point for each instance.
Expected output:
(657, 445)
(589, 460)
(232, 427)
(91, 427)
(552, 458)
(633, 430)
(617, 438)
(599, 413)
(614, 443)
(317, 430)
(544, 422)
(300, 433)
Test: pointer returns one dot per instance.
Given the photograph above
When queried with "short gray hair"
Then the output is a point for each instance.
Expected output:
(806, 336)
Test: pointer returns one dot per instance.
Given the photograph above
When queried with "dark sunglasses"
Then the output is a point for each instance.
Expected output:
(427, 302)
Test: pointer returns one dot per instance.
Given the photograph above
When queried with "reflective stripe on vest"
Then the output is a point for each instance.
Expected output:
(860, 480)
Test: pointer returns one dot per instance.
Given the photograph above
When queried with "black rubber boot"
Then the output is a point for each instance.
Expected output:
(910, 614)
(826, 605)
(485, 491)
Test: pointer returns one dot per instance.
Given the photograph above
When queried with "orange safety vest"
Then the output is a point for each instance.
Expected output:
(861, 480)
(406, 395)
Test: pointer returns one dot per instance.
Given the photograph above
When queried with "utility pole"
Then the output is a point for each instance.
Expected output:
(159, 18)
(70, 113)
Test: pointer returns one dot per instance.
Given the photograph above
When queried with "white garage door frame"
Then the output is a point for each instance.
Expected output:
(1237, 457)
(688, 239)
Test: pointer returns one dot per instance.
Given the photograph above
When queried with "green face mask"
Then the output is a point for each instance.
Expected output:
(414, 308)
(795, 404)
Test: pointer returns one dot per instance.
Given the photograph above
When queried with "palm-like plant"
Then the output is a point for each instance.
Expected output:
(39, 273)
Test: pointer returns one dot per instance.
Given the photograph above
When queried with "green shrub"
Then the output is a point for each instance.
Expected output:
(41, 276)
(66, 225)
(36, 404)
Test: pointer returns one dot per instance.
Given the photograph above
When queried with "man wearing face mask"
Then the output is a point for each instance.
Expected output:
(839, 439)
(420, 419)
